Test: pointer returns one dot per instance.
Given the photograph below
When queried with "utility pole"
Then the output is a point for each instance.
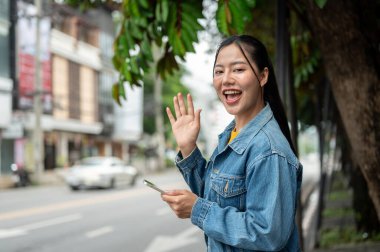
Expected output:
(37, 131)
(159, 120)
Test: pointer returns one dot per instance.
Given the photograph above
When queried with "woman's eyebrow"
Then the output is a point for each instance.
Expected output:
(232, 63)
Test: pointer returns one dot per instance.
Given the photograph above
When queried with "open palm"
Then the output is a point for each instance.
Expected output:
(185, 124)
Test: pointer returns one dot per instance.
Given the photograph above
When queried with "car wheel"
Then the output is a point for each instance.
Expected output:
(74, 188)
(112, 183)
(133, 181)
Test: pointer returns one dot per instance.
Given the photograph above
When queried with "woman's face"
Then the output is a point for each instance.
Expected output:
(237, 85)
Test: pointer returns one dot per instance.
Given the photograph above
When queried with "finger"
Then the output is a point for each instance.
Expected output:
(170, 116)
(182, 105)
(169, 199)
(176, 107)
(190, 105)
(198, 117)
(174, 192)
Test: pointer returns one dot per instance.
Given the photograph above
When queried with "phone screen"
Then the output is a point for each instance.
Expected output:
(151, 185)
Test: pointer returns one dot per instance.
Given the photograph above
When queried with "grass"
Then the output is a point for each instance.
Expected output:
(338, 212)
(346, 235)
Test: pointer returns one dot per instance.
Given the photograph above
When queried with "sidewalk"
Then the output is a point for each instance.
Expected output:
(52, 177)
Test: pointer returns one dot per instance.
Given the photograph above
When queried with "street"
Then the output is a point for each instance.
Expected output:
(53, 218)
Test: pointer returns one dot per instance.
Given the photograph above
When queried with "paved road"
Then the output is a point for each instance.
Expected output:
(53, 218)
(128, 219)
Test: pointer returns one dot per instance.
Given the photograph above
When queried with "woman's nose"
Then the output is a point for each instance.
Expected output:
(228, 78)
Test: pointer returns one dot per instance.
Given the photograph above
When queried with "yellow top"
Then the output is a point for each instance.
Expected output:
(234, 133)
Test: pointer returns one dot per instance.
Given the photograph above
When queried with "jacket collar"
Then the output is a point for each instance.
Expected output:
(247, 133)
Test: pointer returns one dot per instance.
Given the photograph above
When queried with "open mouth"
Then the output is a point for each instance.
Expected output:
(232, 96)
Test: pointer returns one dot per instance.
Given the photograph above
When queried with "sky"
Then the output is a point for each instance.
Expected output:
(199, 65)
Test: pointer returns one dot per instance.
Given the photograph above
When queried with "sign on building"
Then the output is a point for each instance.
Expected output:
(26, 34)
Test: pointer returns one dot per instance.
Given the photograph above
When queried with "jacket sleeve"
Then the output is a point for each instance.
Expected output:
(268, 220)
(193, 170)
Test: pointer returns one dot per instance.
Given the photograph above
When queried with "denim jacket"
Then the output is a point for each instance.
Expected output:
(247, 191)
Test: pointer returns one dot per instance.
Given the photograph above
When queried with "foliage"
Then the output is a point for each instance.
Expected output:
(231, 16)
(84, 5)
(173, 26)
(320, 3)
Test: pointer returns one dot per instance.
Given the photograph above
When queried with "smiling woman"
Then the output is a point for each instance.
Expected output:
(244, 196)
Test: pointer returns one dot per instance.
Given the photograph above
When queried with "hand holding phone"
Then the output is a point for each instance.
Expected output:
(151, 185)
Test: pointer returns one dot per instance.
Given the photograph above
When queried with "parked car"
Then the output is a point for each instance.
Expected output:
(100, 172)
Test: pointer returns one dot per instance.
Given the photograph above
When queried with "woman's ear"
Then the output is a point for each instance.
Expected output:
(264, 77)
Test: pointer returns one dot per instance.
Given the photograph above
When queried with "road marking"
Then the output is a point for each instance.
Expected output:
(172, 243)
(79, 203)
(23, 230)
(99, 232)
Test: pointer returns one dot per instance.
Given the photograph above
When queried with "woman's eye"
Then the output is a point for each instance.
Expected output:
(239, 70)
(217, 72)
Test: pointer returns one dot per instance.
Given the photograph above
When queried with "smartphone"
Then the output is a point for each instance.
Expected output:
(151, 185)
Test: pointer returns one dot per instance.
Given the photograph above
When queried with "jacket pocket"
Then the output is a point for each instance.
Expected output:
(229, 190)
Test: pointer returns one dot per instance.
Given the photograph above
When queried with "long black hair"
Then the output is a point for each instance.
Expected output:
(258, 54)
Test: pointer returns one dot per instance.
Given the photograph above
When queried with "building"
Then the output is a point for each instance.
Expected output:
(6, 86)
(79, 116)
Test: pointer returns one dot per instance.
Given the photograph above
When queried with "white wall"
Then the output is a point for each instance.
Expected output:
(6, 86)
(128, 124)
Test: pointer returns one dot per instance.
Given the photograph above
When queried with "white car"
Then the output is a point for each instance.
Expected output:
(100, 172)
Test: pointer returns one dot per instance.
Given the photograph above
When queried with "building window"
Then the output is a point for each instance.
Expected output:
(74, 90)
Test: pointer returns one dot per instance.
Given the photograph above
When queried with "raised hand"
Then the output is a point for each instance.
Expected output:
(185, 124)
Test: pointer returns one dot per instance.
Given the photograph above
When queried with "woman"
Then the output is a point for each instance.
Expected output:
(244, 197)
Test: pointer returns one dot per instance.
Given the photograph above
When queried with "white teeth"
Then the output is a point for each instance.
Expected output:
(231, 92)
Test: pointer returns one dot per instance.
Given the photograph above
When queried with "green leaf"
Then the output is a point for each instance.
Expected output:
(221, 19)
(126, 71)
(115, 93)
(122, 43)
(116, 62)
(237, 22)
(161, 66)
(171, 63)
(176, 43)
(134, 66)
(135, 31)
(165, 10)
(193, 9)
(192, 33)
(320, 3)
(141, 21)
(251, 3)
(146, 48)
(187, 41)
(122, 90)
(192, 21)
(144, 3)
(158, 12)
(241, 15)
(134, 7)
